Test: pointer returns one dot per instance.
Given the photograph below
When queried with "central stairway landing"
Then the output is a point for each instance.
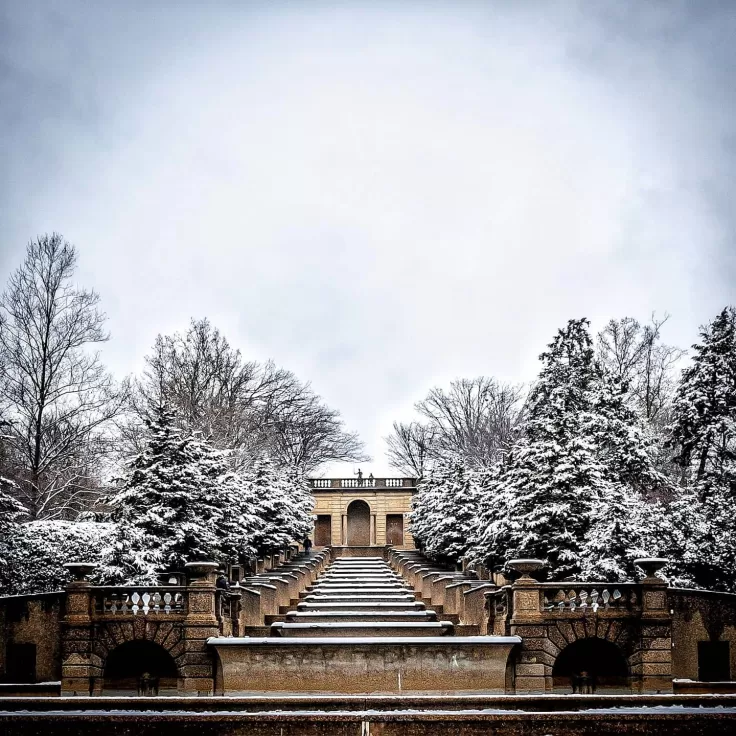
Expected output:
(359, 628)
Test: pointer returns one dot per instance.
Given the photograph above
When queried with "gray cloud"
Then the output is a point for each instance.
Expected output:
(379, 196)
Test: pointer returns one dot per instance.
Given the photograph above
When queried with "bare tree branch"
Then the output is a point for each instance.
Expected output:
(57, 398)
(477, 418)
(241, 405)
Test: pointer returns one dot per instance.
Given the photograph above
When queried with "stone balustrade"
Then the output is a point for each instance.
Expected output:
(133, 600)
(571, 598)
(325, 483)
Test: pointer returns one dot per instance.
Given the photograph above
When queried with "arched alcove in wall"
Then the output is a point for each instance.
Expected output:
(135, 663)
(359, 524)
(592, 662)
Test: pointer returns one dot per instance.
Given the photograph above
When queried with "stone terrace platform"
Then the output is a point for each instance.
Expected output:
(386, 622)
(360, 628)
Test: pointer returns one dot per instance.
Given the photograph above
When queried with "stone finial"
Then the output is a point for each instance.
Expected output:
(526, 567)
(201, 573)
(81, 571)
(651, 566)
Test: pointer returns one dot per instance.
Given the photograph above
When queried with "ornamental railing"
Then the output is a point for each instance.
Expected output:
(139, 599)
(324, 483)
(595, 597)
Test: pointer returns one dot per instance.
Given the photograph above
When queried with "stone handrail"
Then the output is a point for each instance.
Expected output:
(324, 483)
(573, 596)
(144, 599)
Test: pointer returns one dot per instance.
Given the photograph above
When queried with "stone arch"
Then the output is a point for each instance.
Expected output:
(594, 662)
(564, 632)
(140, 661)
(114, 634)
(358, 523)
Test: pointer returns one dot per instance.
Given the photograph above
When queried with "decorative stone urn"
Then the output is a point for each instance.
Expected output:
(201, 574)
(81, 571)
(651, 566)
(526, 568)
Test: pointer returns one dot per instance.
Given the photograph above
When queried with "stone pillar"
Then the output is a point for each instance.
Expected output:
(533, 668)
(197, 664)
(473, 610)
(651, 661)
(81, 669)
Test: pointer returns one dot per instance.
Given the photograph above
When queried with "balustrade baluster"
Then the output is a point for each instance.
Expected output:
(594, 600)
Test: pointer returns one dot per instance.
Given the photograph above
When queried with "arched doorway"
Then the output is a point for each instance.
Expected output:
(140, 667)
(591, 665)
(359, 524)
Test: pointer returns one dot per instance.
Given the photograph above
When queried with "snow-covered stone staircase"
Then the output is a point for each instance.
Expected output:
(360, 597)
(360, 626)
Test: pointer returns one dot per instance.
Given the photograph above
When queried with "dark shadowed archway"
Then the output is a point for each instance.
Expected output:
(594, 662)
(359, 524)
(137, 662)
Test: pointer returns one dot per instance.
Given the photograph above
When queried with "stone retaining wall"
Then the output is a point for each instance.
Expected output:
(588, 723)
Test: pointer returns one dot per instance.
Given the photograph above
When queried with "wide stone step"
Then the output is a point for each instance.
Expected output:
(360, 583)
(359, 629)
(360, 605)
(329, 590)
(358, 616)
(358, 598)
(361, 576)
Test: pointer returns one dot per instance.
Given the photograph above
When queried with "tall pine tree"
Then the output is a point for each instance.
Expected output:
(703, 434)
(582, 455)
(282, 504)
(170, 504)
(446, 511)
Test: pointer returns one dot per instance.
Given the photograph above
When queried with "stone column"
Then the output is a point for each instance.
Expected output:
(81, 669)
(197, 663)
(533, 667)
(651, 662)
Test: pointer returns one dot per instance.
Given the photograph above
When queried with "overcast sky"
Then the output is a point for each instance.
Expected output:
(378, 196)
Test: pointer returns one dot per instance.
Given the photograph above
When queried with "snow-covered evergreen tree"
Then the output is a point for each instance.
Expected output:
(446, 511)
(704, 427)
(283, 505)
(704, 436)
(622, 528)
(553, 476)
(170, 503)
(582, 454)
(11, 513)
(11, 510)
(37, 550)
(425, 506)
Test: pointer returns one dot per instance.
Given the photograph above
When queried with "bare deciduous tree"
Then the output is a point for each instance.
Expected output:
(477, 418)
(635, 354)
(56, 396)
(411, 447)
(241, 405)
